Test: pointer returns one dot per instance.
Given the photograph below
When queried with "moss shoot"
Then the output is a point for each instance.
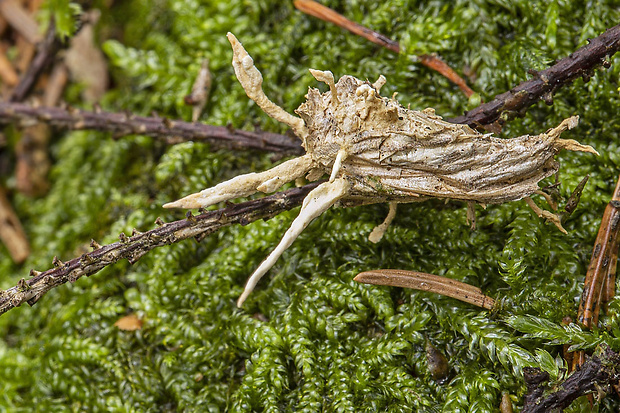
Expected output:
(309, 338)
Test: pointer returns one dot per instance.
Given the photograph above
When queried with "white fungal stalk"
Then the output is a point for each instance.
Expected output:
(375, 150)
(248, 184)
(316, 202)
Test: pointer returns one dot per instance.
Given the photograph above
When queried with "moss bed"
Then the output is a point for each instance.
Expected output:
(309, 338)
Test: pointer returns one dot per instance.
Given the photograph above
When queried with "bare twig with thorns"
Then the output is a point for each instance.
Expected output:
(546, 82)
(126, 124)
(132, 248)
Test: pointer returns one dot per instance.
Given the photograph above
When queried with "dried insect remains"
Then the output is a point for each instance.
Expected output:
(375, 150)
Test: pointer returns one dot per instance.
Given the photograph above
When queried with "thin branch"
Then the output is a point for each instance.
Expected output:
(46, 51)
(545, 83)
(599, 373)
(126, 124)
(433, 62)
(428, 282)
(134, 247)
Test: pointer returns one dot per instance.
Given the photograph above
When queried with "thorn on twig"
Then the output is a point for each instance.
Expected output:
(124, 239)
(159, 222)
(94, 245)
(586, 77)
(154, 238)
(34, 273)
(86, 260)
(168, 123)
(22, 286)
(56, 262)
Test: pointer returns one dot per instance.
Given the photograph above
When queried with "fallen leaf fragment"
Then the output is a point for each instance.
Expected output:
(130, 322)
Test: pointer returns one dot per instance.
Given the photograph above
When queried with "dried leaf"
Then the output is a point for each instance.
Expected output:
(130, 322)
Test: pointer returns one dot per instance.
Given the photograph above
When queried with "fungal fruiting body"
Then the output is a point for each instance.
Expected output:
(375, 150)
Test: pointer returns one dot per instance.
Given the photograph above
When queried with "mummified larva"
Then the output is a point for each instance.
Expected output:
(375, 150)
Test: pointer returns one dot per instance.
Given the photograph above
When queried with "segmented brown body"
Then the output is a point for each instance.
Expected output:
(402, 155)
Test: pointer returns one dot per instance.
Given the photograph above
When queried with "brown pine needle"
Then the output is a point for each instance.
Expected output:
(428, 282)
(599, 284)
(431, 61)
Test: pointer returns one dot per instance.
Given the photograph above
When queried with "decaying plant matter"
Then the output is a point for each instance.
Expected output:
(375, 150)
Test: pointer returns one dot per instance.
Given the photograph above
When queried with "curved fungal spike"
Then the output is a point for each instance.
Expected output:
(379, 83)
(315, 203)
(340, 156)
(252, 82)
(568, 144)
(378, 231)
(545, 214)
(247, 184)
(328, 78)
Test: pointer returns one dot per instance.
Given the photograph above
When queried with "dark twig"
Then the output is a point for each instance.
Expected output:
(433, 62)
(46, 51)
(31, 151)
(126, 124)
(132, 248)
(598, 287)
(599, 373)
(545, 83)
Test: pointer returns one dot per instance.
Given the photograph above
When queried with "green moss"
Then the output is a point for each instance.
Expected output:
(309, 338)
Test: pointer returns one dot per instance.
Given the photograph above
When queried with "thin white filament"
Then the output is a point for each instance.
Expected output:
(315, 203)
